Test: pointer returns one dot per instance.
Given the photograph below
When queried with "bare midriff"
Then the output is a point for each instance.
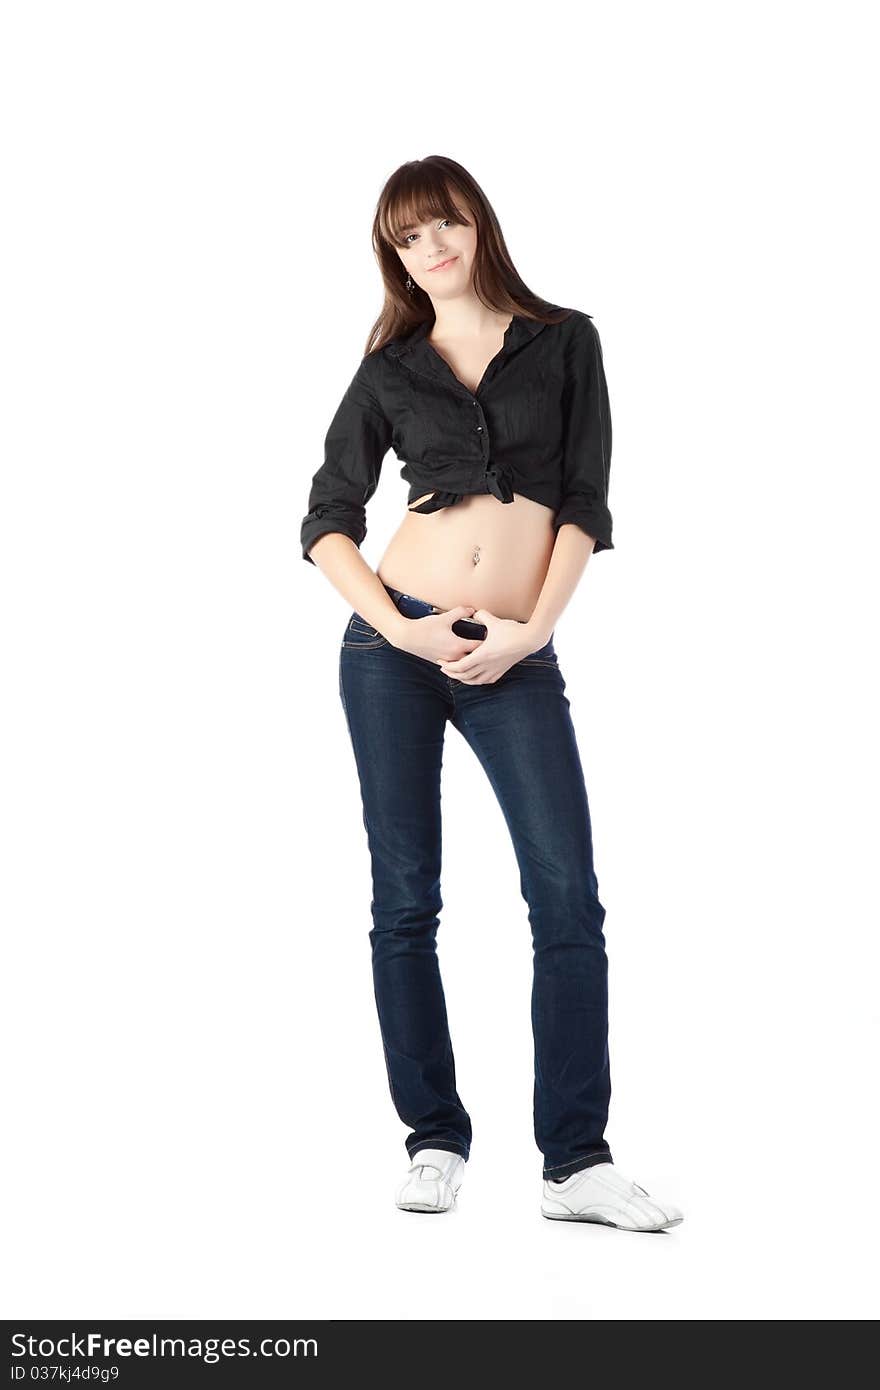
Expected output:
(478, 552)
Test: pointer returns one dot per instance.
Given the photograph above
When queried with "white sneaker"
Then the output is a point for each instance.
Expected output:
(601, 1193)
(433, 1180)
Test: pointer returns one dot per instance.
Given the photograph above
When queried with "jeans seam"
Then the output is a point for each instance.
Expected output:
(554, 1168)
(437, 1144)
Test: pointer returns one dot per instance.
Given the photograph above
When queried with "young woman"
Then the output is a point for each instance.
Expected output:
(496, 402)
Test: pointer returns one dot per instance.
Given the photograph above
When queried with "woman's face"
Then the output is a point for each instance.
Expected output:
(428, 246)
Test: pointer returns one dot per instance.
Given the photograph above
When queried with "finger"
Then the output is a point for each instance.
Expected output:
(458, 661)
(466, 678)
(461, 664)
(470, 673)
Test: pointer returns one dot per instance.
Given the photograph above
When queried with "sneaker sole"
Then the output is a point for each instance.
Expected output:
(602, 1221)
(417, 1206)
(426, 1206)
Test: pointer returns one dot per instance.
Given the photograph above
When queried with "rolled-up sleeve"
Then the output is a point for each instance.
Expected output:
(587, 439)
(355, 445)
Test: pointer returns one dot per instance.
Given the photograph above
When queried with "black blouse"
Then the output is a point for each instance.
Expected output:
(538, 424)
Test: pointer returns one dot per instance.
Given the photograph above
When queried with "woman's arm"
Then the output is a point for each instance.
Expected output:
(340, 560)
(335, 525)
(570, 557)
(583, 523)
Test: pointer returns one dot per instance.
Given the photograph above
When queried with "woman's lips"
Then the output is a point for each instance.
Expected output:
(443, 265)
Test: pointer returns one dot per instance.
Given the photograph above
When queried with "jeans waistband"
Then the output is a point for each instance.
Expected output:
(410, 606)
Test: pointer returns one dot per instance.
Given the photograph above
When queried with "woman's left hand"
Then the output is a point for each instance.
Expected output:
(506, 642)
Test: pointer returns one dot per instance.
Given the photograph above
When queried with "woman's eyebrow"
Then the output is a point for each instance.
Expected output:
(412, 227)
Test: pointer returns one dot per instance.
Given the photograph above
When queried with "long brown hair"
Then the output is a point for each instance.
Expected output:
(417, 192)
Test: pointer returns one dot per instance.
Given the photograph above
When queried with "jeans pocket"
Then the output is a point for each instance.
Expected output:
(359, 633)
(544, 656)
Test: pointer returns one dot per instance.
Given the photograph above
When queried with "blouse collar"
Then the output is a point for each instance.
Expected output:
(519, 330)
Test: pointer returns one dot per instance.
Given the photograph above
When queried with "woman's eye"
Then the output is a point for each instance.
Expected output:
(409, 234)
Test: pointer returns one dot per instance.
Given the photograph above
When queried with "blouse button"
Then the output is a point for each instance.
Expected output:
(479, 429)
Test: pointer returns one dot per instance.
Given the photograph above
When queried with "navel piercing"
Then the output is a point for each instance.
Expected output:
(476, 554)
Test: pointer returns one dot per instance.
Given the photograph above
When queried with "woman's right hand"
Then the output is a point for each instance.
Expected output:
(433, 639)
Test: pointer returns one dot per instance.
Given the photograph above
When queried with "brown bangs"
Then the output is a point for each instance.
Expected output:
(422, 195)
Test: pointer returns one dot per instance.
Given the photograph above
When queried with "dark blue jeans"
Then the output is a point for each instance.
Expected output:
(397, 707)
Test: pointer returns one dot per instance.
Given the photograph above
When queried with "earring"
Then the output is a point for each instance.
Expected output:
(409, 284)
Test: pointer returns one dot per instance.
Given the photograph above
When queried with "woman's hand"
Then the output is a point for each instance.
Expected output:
(506, 642)
(432, 637)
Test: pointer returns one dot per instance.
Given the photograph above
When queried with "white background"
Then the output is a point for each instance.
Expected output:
(199, 1120)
